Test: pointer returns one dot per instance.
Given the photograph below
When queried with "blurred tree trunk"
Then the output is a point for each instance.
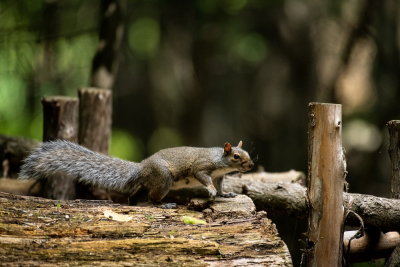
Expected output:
(105, 61)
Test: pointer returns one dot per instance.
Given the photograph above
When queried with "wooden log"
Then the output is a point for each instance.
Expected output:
(325, 185)
(373, 245)
(12, 151)
(95, 115)
(375, 211)
(291, 176)
(42, 232)
(60, 121)
(394, 153)
(285, 199)
(281, 200)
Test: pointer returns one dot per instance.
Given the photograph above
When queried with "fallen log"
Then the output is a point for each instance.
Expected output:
(278, 200)
(42, 232)
(289, 200)
(372, 245)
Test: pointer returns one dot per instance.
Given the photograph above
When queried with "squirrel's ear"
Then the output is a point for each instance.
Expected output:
(240, 144)
(227, 148)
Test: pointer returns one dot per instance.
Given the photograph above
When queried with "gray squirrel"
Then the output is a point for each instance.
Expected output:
(156, 174)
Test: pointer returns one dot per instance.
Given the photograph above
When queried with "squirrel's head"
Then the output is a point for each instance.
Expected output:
(237, 157)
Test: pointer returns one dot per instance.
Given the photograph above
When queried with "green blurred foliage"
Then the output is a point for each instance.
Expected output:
(125, 146)
(144, 37)
(163, 138)
(33, 65)
(250, 47)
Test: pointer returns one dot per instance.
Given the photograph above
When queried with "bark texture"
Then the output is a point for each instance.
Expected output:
(394, 153)
(325, 185)
(95, 115)
(289, 199)
(60, 121)
(95, 118)
(285, 199)
(41, 232)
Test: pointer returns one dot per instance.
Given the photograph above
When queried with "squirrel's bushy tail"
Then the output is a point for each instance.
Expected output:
(90, 167)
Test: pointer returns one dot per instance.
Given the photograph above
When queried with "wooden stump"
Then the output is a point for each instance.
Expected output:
(95, 115)
(42, 232)
(60, 121)
(326, 174)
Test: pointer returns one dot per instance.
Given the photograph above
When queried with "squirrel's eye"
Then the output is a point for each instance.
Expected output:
(236, 156)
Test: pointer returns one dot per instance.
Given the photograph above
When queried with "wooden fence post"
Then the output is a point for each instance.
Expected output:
(326, 172)
(95, 115)
(60, 121)
(394, 153)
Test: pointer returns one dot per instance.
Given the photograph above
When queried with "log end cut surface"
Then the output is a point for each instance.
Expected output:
(42, 232)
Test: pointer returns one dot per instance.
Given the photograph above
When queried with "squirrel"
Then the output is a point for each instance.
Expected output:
(156, 174)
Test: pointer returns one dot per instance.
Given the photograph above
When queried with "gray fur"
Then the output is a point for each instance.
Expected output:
(80, 163)
(157, 173)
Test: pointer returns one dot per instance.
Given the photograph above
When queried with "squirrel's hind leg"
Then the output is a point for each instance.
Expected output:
(161, 182)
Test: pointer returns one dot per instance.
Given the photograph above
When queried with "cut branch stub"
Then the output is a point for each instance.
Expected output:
(325, 185)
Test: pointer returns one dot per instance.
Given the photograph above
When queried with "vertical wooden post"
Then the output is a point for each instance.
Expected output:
(95, 114)
(60, 121)
(326, 174)
(394, 153)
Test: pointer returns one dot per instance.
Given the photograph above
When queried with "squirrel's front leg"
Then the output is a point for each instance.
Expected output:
(218, 185)
(206, 180)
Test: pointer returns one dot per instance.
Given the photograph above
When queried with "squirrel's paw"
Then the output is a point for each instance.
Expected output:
(212, 192)
(228, 195)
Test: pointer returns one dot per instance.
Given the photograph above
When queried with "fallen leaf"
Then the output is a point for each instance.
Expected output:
(109, 214)
(192, 220)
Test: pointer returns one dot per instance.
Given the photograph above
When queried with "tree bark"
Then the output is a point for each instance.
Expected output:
(285, 199)
(95, 115)
(60, 121)
(42, 232)
(325, 186)
(394, 153)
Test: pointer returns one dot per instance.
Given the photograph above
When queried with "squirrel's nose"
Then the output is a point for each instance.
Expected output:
(251, 164)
